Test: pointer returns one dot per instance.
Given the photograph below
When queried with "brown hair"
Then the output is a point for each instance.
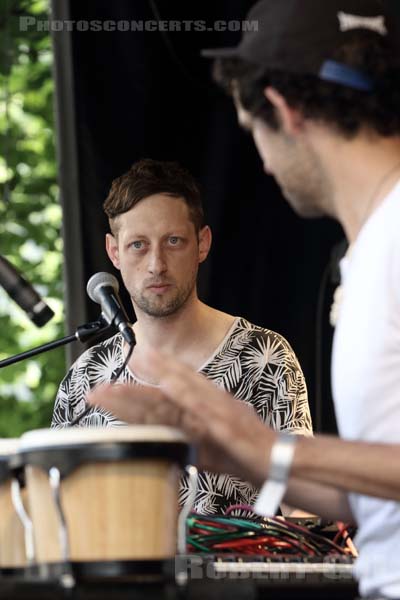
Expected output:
(147, 177)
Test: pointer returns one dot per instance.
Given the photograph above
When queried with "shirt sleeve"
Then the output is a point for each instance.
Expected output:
(70, 399)
(280, 394)
(61, 412)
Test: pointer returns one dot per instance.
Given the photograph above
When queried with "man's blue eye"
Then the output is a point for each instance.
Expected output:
(137, 245)
(173, 240)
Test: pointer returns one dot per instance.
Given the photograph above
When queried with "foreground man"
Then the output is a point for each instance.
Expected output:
(158, 240)
(319, 88)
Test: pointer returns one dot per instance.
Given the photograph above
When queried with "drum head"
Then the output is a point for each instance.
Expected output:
(8, 446)
(69, 448)
(52, 438)
(8, 457)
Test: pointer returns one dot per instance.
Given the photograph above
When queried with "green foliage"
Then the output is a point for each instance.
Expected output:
(30, 216)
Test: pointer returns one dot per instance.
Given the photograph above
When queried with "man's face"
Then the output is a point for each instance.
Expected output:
(158, 253)
(294, 164)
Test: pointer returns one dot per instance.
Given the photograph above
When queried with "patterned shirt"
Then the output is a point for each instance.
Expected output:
(254, 364)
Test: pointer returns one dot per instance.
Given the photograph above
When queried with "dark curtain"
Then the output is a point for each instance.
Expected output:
(149, 94)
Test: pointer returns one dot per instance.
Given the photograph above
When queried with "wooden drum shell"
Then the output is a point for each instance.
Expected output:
(12, 542)
(118, 489)
(114, 511)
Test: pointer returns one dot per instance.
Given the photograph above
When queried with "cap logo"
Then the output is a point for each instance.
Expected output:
(348, 22)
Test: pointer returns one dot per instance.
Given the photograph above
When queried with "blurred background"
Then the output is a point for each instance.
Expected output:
(30, 216)
(77, 108)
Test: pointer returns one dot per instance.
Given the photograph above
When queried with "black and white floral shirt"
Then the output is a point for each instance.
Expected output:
(256, 365)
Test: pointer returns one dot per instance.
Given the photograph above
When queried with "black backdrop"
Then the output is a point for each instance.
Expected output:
(134, 95)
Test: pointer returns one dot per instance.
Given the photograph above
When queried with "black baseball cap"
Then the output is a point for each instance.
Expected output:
(300, 36)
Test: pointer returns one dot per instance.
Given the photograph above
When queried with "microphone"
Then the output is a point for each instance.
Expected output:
(24, 294)
(103, 289)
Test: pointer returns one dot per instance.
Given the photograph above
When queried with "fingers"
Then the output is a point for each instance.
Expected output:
(209, 415)
(135, 404)
(162, 367)
(183, 386)
(216, 413)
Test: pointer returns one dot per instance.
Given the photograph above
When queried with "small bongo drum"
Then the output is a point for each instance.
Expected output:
(12, 541)
(104, 500)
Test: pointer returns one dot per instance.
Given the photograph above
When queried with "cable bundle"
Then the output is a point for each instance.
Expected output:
(268, 537)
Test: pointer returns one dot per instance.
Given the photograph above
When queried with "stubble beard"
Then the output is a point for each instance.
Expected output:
(160, 307)
(305, 185)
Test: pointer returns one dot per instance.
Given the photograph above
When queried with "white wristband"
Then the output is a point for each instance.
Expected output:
(274, 488)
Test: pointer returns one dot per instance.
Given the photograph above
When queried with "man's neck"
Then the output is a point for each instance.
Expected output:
(170, 332)
(192, 334)
(363, 171)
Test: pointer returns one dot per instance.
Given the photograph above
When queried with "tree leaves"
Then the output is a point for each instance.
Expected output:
(30, 216)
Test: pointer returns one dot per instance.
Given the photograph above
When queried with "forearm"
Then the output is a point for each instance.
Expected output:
(242, 443)
(327, 502)
(370, 469)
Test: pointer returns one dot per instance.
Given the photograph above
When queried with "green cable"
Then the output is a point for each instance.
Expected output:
(207, 527)
(192, 542)
(224, 537)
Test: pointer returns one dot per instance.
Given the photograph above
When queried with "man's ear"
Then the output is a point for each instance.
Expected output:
(112, 250)
(291, 119)
(205, 239)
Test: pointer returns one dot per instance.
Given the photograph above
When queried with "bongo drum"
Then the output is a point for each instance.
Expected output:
(12, 541)
(104, 499)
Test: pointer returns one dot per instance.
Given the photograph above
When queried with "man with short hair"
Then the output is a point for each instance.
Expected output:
(158, 240)
(318, 86)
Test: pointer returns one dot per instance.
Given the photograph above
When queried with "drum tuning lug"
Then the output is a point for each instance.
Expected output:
(67, 581)
(181, 578)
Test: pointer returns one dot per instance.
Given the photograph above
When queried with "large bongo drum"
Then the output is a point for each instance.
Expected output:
(104, 500)
(12, 538)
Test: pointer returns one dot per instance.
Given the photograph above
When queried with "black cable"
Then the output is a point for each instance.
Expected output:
(122, 367)
(113, 380)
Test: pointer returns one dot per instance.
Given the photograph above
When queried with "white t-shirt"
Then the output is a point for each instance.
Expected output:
(366, 381)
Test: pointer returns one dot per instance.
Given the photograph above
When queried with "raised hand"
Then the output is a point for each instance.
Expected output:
(230, 436)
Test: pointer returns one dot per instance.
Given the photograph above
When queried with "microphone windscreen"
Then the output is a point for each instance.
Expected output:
(99, 280)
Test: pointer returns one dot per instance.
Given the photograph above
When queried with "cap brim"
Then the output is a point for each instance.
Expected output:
(220, 52)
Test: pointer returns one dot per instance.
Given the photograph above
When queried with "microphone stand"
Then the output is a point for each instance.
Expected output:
(84, 333)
